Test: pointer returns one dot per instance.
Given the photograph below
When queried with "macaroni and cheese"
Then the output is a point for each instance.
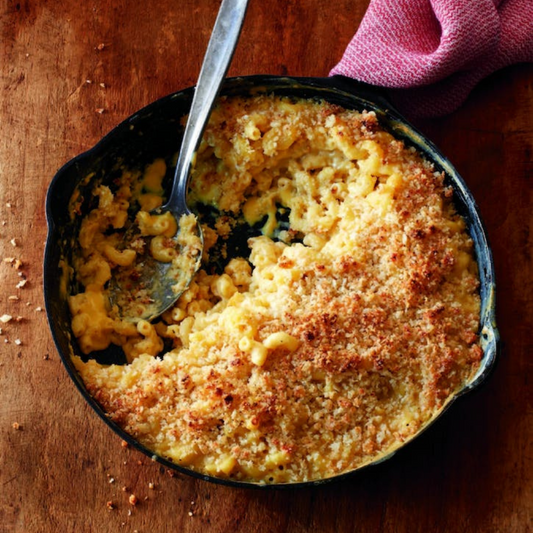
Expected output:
(344, 327)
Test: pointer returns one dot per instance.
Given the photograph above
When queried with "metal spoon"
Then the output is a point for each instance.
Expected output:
(152, 287)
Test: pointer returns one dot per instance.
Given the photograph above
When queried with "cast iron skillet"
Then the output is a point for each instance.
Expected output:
(155, 131)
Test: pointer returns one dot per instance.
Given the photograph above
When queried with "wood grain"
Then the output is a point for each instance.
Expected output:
(62, 61)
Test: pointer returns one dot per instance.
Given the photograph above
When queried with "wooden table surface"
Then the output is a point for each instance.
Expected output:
(64, 61)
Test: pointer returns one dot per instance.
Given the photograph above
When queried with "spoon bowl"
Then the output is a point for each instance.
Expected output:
(152, 284)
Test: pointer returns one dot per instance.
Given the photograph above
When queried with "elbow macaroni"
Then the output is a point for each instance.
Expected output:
(164, 224)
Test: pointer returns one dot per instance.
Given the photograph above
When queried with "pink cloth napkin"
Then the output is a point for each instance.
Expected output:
(431, 53)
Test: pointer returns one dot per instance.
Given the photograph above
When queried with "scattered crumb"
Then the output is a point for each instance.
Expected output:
(1, 332)
(129, 512)
(21, 283)
(191, 513)
(124, 488)
(13, 298)
(8, 204)
(101, 46)
(103, 85)
(111, 480)
(13, 242)
(18, 263)
(46, 356)
(88, 82)
(151, 486)
(133, 499)
(38, 309)
(9, 260)
(100, 110)
(6, 341)
(19, 319)
(110, 505)
(18, 342)
(6, 318)
(17, 426)
(124, 444)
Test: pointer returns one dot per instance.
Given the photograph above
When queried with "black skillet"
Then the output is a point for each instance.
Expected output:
(154, 132)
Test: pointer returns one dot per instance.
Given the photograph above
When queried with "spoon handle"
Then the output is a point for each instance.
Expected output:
(215, 65)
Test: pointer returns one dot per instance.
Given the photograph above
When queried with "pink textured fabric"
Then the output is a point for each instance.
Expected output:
(431, 53)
